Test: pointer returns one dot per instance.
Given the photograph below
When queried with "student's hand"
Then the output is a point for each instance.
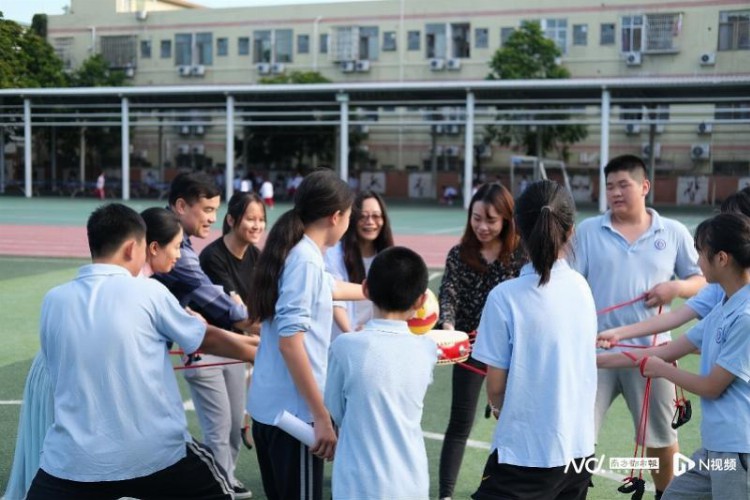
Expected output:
(235, 297)
(196, 314)
(607, 339)
(325, 438)
(653, 367)
(662, 294)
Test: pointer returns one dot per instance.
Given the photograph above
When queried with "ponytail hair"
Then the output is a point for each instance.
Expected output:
(729, 233)
(545, 216)
(321, 194)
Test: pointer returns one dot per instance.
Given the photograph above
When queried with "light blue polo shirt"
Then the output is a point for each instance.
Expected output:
(118, 410)
(358, 311)
(545, 337)
(305, 304)
(618, 271)
(724, 339)
(706, 299)
(377, 380)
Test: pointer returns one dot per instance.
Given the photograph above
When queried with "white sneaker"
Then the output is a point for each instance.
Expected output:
(240, 492)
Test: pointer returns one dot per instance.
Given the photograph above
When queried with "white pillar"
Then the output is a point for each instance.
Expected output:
(604, 150)
(229, 171)
(468, 149)
(26, 148)
(343, 100)
(125, 112)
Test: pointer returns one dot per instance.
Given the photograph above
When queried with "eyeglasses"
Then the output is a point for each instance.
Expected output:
(376, 217)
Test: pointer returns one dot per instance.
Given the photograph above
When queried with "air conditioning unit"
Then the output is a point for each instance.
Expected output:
(439, 150)
(362, 66)
(437, 64)
(646, 150)
(484, 150)
(708, 59)
(700, 151)
(348, 66)
(184, 70)
(363, 148)
(632, 129)
(453, 129)
(199, 130)
(633, 58)
(705, 128)
(263, 68)
(439, 129)
(199, 149)
(199, 70)
(277, 68)
(141, 15)
(185, 130)
(129, 72)
(659, 129)
(363, 129)
(454, 64)
(183, 149)
(452, 151)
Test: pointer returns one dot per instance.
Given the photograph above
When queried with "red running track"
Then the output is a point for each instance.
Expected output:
(70, 242)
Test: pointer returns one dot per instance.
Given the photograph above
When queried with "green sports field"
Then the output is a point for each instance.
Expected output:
(24, 281)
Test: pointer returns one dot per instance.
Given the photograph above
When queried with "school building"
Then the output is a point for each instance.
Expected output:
(179, 43)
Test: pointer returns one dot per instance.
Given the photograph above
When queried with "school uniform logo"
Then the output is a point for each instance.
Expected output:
(660, 244)
(719, 335)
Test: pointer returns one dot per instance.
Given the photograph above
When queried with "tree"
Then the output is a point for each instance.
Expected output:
(28, 61)
(528, 54)
(95, 72)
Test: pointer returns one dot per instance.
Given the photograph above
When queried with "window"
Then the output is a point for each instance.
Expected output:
(222, 46)
(653, 33)
(303, 44)
(323, 43)
(631, 112)
(283, 43)
(505, 33)
(580, 34)
(262, 46)
(352, 43)
(661, 31)
(165, 49)
(460, 35)
(64, 49)
(119, 51)
(632, 33)
(412, 40)
(737, 167)
(183, 49)
(368, 43)
(243, 46)
(557, 31)
(733, 111)
(481, 38)
(734, 30)
(272, 46)
(204, 48)
(389, 41)
(607, 34)
(184, 53)
(145, 49)
(434, 40)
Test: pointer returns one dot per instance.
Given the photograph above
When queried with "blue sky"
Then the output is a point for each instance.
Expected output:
(22, 11)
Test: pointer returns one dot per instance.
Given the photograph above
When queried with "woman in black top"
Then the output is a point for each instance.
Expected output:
(487, 255)
(219, 392)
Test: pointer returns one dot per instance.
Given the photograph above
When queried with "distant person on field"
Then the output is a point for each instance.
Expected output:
(100, 186)
(266, 192)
